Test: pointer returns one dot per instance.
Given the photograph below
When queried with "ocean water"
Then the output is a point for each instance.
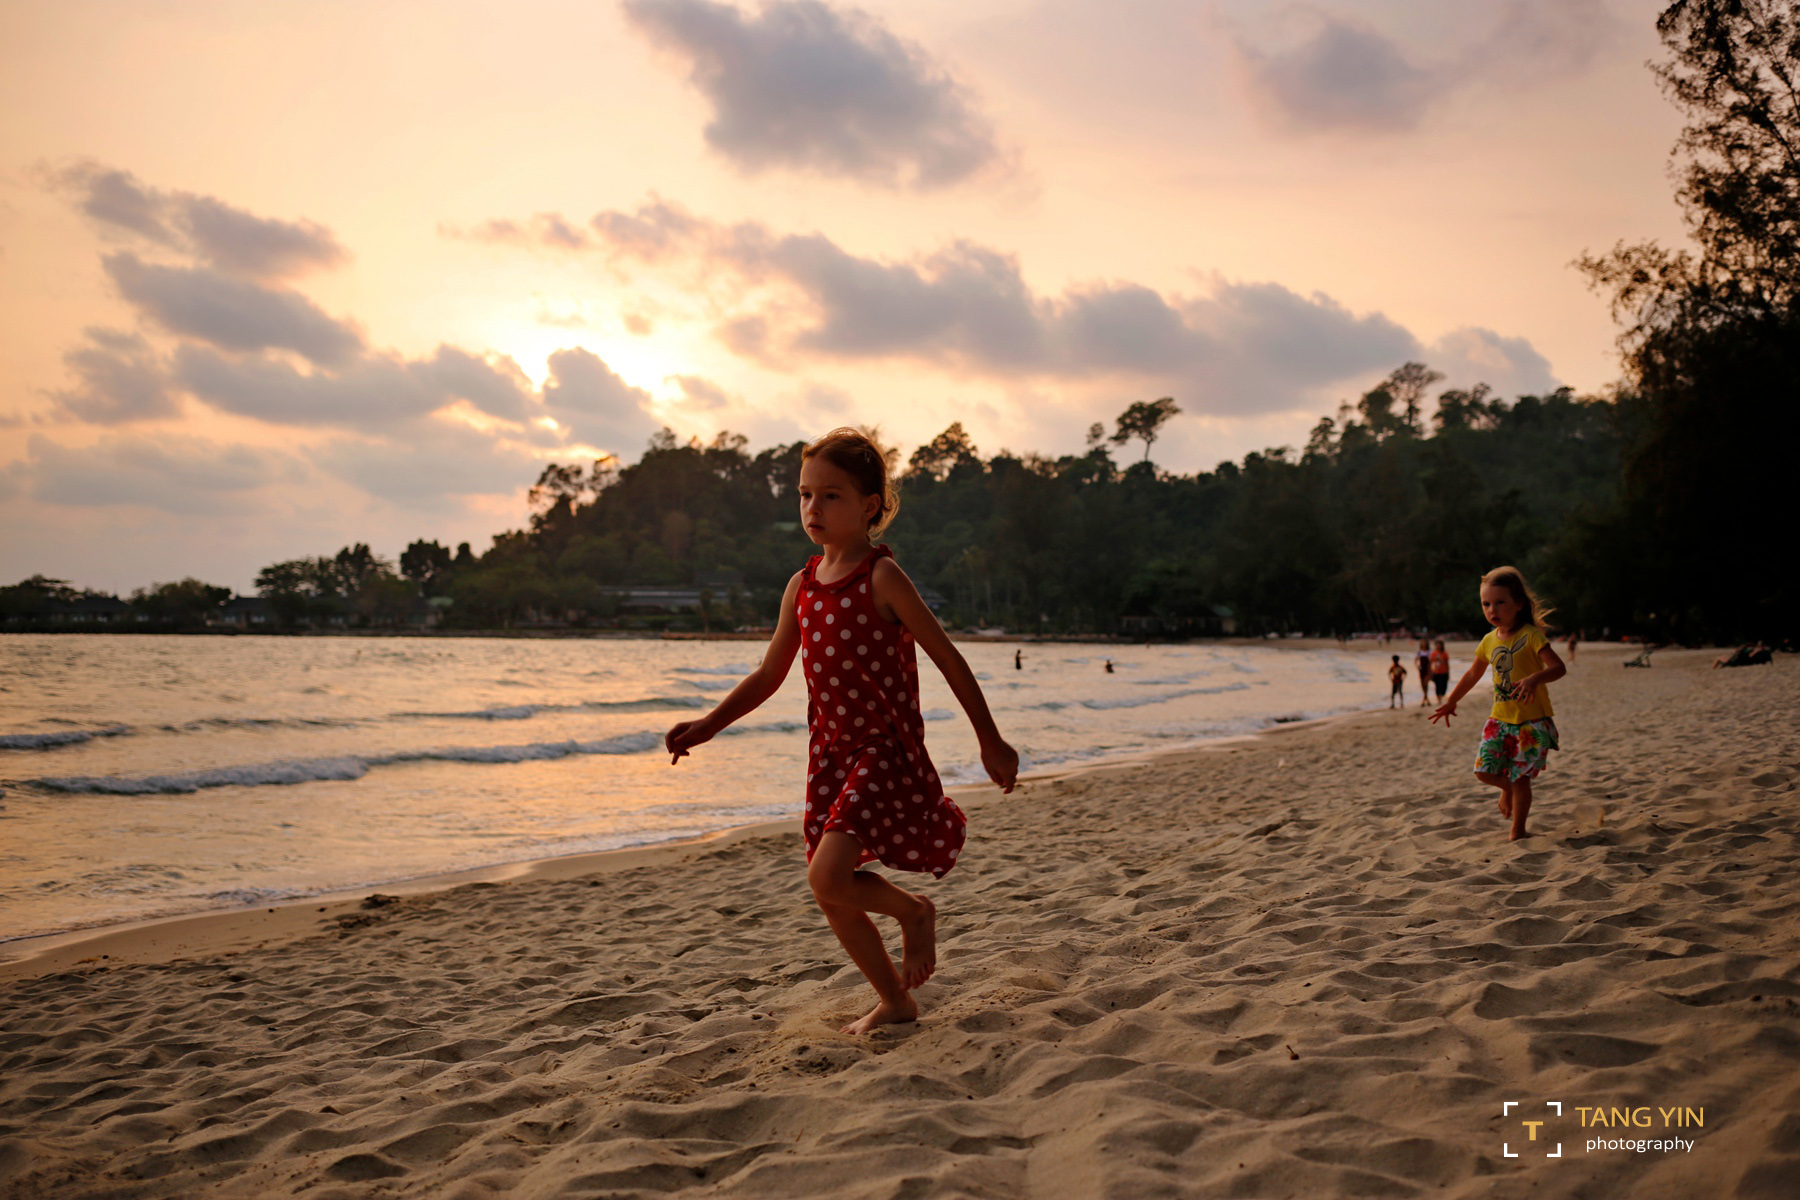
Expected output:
(151, 776)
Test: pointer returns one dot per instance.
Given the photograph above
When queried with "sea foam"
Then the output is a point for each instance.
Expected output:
(62, 737)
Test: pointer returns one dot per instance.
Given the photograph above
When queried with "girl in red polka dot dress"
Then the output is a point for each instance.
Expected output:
(872, 795)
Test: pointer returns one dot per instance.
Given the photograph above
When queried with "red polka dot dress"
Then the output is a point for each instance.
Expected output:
(867, 772)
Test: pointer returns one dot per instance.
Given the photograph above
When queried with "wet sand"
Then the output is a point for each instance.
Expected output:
(1307, 964)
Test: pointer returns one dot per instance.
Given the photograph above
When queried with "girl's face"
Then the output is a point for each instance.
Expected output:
(1499, 607)
(832, 511)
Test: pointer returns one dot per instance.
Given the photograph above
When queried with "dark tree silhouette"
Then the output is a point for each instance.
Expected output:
(1144, 420)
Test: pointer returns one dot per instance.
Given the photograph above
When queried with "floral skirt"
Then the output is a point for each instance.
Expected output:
(1515, 751)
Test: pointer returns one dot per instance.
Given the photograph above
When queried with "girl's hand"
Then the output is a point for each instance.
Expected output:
(684, 737)
(1445, 711)
(1002, 763)
(1525, 689)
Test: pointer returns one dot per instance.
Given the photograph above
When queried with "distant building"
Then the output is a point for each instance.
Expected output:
(653, 601)
(246, 612)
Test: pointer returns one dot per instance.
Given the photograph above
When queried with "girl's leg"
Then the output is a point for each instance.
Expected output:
(1506, 790)
(846, 896)
(1521, 807)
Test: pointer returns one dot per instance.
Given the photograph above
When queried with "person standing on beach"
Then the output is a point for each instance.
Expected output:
(1440, 667)
(872, 794)
(1397, 677)
(1521, 731)
(1422, 660)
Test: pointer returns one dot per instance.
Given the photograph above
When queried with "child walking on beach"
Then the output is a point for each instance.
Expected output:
(872, 794)
(1520, 732)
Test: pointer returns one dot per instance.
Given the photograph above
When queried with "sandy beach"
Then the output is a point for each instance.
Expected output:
(1307, 964)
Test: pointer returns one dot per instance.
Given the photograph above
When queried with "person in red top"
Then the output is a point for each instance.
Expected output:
(872, 794)
(1440, 667)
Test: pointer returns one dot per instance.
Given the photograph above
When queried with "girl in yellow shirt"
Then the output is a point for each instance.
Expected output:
(1521, 729)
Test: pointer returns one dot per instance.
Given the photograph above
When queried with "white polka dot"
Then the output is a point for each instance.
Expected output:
(859, 720)
(878, 635)
(840, 710)
(860, 649)
(939, 843)
(818, 604)
(818, 666)
(845, 635)
(830, 617)
(862, 619)
(912, 854)
(888, 682)
(815, 637)
(853, 696)
(862, 587)
(846, 601)
(830, 649)
(867, 814)
(918, 798)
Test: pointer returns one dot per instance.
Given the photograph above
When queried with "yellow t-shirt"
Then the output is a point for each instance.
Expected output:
(1516, 657)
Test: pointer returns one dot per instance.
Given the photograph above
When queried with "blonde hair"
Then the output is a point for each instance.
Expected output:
(1532, 609)
(857, 454)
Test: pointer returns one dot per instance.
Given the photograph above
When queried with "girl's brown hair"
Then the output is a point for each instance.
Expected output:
(1532, 610)
(856, 453)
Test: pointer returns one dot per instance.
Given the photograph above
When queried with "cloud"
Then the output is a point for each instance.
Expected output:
(1240, 348)
(548, 229)
(228, 238)
(805, 86)
(427, 461)
(494, 384)
(371, 394)
(118, 378)
(233, 314)
(1511, 366)
(182, 475)
(1344, 75)
(599, 408)
(701, 394)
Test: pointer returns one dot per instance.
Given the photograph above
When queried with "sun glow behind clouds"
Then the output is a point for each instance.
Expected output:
(640, 362)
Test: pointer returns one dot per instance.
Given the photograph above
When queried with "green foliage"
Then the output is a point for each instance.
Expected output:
(185, 603)
(1144, 420)
(1712, 341)
(354, 586)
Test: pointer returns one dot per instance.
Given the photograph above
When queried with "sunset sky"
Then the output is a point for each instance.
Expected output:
(279, 277)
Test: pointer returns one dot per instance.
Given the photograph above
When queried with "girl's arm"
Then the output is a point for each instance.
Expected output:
(1470, 678)
(1554, 669)
(895, 593)
(752, 690)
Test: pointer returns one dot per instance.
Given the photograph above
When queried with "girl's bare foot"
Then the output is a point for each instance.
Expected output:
(1506, 805)
(885, 1013)
(1518, 835)
(918, 946)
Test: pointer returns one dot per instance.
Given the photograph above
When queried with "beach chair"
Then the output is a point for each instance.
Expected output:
(1642, 658)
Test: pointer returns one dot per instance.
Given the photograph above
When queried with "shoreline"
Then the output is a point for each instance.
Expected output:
(202, 930)
(226, 930)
